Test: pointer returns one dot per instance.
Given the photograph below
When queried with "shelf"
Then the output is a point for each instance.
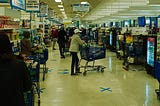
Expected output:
(7, 28)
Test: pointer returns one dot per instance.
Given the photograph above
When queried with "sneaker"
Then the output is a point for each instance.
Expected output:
(62, 56)
(78, 72)
(74, 74)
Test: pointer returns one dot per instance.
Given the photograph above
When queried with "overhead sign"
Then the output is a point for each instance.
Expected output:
(50, 13)
(32, 5)
(18, 4)
(43, 10)
(3, 1)
(81, 7)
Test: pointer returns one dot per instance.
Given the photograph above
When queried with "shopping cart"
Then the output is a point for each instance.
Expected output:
(33, 64)
(157, 76)
(67, 45)
(90, 54)
(29, 98)
(43, 57)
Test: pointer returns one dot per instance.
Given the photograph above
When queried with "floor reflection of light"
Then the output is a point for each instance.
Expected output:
(124, 76)
(110, 63)
(147, 95)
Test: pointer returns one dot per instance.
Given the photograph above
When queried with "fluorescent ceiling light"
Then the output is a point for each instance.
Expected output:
(58, 1)
(60, 5)
(63, 12)
(62, 9)
(84, 2)
(154, 5)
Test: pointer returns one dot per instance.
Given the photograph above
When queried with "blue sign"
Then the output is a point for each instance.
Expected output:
(141, 21)
(18, 4)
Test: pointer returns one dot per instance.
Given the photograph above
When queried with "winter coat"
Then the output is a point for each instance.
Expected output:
(14, 80)
(75, 43)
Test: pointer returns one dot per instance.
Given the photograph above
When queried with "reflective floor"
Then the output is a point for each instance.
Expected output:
(113, 87)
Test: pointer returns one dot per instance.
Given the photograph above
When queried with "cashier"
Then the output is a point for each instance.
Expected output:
(26, 45)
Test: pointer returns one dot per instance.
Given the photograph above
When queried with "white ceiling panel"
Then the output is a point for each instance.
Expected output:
(100, 9)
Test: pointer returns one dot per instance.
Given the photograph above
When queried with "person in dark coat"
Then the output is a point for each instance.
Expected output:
(14, 76)
(26, 45)
(62, 40)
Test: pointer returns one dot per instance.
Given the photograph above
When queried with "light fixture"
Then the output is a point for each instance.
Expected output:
(63, 13)
(62, 9)
(84, 3)
(60, 6)
(58, 1)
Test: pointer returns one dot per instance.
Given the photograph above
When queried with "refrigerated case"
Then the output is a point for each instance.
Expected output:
(107, 33)
(110, 39)
(158, 47)
(113, 39)
(151, 54)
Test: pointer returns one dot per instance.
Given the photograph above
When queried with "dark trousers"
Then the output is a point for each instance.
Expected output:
(61, 48)
(75, 61)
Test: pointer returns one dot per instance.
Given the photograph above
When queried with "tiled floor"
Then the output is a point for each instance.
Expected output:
(127, 88)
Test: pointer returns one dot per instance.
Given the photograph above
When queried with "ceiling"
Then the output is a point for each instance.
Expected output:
(106, 10)
(67, 4)
(103, 10)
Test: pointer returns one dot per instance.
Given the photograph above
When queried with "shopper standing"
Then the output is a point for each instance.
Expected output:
(62, 40)
(14, 76)
(74, 48)
(54, 35)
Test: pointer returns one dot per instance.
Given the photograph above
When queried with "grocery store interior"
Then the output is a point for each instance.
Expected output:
(119, 62)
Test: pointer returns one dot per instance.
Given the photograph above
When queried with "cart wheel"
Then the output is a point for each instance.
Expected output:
(38, 102)
(123, 63)
(46, 70)
(117, 55)
(33, 96)
(158, 96)
(98, 68)
(127, 66)
(84, 73)
(158, 93)
(102, 70)
(43, 77)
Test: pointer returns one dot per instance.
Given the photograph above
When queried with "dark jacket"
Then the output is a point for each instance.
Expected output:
(14, 80)
(26, 46)
(62, 36)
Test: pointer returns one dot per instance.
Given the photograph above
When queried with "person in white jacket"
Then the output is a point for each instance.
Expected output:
(74, 49)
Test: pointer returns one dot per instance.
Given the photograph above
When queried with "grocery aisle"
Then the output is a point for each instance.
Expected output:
(127, 88)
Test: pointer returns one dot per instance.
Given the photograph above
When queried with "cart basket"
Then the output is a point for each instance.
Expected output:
(91, 53)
